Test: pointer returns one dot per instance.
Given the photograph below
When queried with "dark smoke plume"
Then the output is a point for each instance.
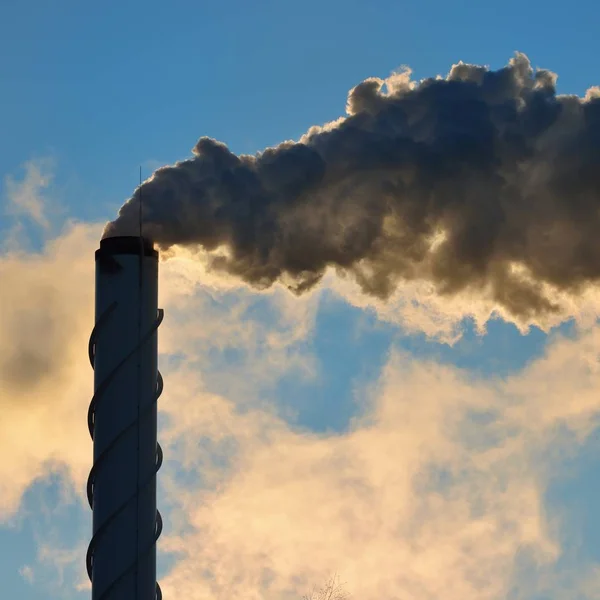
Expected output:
(485, 180)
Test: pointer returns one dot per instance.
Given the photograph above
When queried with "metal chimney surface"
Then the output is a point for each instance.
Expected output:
(122, 419)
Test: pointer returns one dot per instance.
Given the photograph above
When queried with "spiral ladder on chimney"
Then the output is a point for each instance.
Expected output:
(98, 463)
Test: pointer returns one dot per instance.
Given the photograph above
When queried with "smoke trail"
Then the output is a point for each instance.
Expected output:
(485, 180)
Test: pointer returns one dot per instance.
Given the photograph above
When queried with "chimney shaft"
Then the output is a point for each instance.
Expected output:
(122, 419)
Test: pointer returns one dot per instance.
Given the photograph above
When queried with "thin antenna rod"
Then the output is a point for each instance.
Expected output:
(139, 398)
(140, 200)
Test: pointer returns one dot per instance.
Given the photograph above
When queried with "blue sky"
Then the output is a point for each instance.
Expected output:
(93, 91)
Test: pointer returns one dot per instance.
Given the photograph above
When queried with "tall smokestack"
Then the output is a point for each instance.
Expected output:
(484, 182)
(122, 419)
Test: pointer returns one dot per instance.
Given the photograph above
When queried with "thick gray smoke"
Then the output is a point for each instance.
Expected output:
(485, 180)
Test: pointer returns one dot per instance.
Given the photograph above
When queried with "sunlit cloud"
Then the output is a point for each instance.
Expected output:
(436, 489)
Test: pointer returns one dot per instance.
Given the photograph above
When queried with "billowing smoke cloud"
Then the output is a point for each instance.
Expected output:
(485, 181)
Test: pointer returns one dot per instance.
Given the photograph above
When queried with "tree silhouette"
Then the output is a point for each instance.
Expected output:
(332, 590)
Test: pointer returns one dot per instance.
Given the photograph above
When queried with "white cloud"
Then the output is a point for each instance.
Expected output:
(26, 572)
(26, 197)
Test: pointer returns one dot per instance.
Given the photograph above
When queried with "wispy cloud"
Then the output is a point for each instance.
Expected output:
(26, 196)
(26, 572)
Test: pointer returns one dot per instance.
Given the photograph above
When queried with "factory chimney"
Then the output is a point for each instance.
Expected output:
(122, 419)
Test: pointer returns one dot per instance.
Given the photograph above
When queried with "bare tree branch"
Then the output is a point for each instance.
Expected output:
(332, 590)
